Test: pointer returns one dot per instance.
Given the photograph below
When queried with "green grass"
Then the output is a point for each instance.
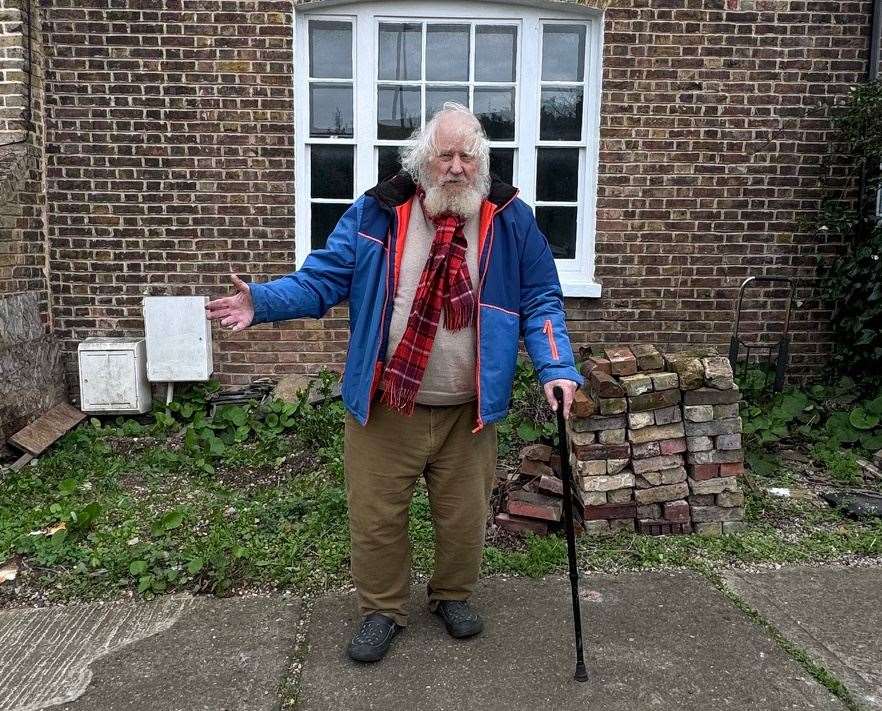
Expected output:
(140, 515)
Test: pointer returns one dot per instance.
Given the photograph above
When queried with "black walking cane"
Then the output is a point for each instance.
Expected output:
(567, 477)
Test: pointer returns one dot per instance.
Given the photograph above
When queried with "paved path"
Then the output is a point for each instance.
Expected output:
(833, 613)
(652, 640)
(178, 653)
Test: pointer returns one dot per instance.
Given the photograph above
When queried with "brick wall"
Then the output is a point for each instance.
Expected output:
(170, 163)
(23, 247)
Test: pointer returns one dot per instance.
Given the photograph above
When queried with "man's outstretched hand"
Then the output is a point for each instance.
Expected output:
(236, 311)
(569, 389)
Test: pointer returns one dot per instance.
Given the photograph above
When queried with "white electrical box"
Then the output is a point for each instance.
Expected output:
(113, 376)
(178, 339)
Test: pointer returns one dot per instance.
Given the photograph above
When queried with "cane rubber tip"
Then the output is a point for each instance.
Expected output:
(581, 673)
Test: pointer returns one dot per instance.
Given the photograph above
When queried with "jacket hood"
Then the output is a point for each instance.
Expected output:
(400, 188)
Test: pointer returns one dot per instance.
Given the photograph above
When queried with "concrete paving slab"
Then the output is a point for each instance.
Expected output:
(652, 640)
(833, 612)
(179, 652)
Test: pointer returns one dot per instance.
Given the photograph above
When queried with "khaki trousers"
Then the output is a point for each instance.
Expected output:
(383, 461)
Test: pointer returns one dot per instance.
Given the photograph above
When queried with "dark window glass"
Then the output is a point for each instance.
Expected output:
(495, 109)
(388, 163)
(330, 50)
(561, 117)
(331, 171)
(437, 95)
(495, 53)
(398, 112)
(447, 53)
(563, 52)
(400, 51)
(502, 163)
(558, 224)
(557, 174)
(330, 110)
(325, 216)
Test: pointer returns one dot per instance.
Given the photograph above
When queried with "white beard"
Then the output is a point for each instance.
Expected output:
(463, 201)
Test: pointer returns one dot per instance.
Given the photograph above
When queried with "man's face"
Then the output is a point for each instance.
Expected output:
(453, 168)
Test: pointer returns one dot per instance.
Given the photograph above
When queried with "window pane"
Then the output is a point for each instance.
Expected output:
(495, 53)
(557, 174)
(558, 224)
(561, 118)
(502, 163)
(388, 163)
(495, 109)
(563, 52)
(398, 111)
(401, 46)
(330, 50)
(447, 52)
(325, 216)
(436, 96)
(331, 171)
(330, 110)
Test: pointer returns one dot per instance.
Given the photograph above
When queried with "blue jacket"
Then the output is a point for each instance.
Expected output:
(518, 293)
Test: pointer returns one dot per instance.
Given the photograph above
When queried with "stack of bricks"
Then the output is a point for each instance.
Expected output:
(715, 457)
(638, 463)
(534, 501)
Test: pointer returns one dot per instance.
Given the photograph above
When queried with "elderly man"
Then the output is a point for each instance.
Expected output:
(444, 268)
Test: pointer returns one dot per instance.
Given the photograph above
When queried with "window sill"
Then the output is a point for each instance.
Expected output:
(580, 288)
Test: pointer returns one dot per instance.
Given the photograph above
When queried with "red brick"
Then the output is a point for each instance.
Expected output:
(608, 511)
(583, 406)
(605, 385)
(530, 505)
(672, 446)
(530, 467)
(550, 485)
(601, 451)
(517, 524)
(676, 511)
(732, 469)
(700, 472)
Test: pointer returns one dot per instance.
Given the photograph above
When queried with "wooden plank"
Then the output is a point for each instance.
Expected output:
(21, 461)
(42, 432)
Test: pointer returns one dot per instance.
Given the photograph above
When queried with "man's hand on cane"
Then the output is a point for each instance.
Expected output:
(236, 311)
(569, 390)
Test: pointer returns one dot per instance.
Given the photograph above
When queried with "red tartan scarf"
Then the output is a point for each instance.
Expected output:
(445, 283)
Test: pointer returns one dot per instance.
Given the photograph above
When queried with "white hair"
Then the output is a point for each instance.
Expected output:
(421, 147)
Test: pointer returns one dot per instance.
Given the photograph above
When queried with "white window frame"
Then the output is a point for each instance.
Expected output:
(576, 275)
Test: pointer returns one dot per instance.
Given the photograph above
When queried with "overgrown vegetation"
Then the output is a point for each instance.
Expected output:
(254, 498)
(853, 283)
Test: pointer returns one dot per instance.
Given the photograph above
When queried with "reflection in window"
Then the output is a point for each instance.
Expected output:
(331, 171)
(495, 109)
(495, 53)
(330, 110)
(563, 52)
(398, 111)
(330, 50)
(400, 51)
(502, 164)
(447, 53)
(558, 224)
(557, 174)
(561, 115)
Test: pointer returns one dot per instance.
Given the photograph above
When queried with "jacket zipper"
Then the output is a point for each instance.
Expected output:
(382, 321)
(548, 329)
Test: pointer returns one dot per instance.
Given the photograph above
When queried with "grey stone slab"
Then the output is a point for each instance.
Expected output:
(652, 640)
(177, 653)
(834, 613)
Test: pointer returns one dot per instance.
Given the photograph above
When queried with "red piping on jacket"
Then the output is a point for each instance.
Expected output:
(548, 330)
